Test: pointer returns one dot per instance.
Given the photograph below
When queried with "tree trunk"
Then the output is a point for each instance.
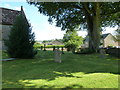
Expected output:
(96, 27)
(93, 28)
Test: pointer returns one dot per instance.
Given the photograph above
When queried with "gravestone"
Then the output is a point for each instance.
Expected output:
(102, 53)
(57, 55)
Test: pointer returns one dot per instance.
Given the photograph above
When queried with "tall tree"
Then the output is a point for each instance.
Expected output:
(118, 34)
(90, 15)
(21, 39)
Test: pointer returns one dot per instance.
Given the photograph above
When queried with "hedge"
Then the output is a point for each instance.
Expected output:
(48, 46)
(51, 46)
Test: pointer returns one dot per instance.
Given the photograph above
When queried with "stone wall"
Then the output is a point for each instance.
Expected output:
(4, 32)
(113, 51)
(110, 41)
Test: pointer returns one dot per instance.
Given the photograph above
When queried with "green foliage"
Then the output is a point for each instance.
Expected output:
(51, 46)
(37, 45)
(48, 46)
(118, 34)
(74, 15)
(85, 51)
(21, 39)
(72, 40)
(71, 15)
(4, 54)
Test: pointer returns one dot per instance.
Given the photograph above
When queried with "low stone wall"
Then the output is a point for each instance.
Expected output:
(113, 51)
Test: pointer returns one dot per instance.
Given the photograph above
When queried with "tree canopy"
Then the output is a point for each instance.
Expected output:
(89, 15)
(72, 40)
(118, 34)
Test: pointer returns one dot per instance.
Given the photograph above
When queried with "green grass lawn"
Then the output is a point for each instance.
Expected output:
(75, 71)
(4, 54)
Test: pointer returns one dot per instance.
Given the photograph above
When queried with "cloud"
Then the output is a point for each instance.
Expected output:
(7, 5)
(82, 33)
(110, 30)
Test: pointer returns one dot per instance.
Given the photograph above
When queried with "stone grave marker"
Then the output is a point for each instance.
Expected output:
(57, 55)
(102, 53)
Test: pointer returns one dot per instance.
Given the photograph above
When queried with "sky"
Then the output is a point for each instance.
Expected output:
(40, 25)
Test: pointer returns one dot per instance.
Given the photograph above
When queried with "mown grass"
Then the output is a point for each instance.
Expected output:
(75, 71)
(4, 55)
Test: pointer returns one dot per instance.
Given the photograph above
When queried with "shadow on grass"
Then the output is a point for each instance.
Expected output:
(44, 68)
(72, 86)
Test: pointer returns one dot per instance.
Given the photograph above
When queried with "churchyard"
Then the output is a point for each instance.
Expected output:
(74, 71)
(86, 63)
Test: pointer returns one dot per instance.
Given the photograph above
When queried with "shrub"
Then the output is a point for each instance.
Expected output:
(85, 51)
(21, 39)
(57, 46)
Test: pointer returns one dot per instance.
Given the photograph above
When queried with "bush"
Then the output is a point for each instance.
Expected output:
(57, 46)
(85, 51)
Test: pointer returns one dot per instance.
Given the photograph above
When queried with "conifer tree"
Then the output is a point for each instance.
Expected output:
(21, 39)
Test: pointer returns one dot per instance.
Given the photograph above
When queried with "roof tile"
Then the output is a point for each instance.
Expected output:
(8, 16)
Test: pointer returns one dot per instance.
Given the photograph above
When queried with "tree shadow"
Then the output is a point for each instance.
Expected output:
(72, 86)
(71, 63)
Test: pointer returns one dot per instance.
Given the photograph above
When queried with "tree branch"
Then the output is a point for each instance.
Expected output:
(107, 14)
(85, 5)
(78, 7)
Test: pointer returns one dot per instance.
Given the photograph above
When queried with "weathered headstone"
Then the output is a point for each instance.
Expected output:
(57, 55)
(102, 53)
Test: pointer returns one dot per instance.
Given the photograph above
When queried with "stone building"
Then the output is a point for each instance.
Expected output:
(106, 40)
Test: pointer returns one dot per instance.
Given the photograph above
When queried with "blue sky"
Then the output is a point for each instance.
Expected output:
(41, 27)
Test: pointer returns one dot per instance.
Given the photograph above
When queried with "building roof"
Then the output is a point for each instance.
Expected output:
(103, 36)
(57, 43)
(8, 16)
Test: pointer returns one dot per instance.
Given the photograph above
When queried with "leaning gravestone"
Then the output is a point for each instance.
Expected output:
(102, 53)
(57, 55)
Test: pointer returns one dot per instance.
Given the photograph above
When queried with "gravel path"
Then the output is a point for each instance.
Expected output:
(8, 59)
